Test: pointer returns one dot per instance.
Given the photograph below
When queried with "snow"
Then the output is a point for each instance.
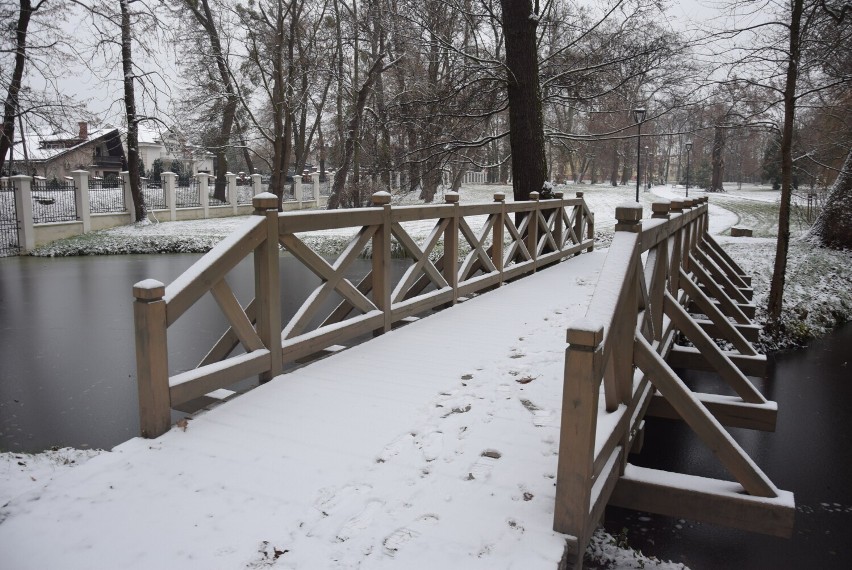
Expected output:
(422, 462)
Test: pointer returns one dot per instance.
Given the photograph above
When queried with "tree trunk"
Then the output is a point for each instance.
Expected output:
(351, 133)
(139, 213)
(526, 124)
(779, 274)
(833, 226)
(720, 137)
(10, 105)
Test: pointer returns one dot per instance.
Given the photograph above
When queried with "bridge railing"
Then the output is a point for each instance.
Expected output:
(469, 249)
(662, 277)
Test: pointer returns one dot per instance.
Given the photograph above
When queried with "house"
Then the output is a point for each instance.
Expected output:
(56, 154)
(169, 146)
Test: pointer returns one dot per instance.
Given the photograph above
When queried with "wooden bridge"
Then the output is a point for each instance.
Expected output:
(663, 281)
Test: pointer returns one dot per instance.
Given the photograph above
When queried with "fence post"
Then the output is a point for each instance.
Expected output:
(267, 283)
(24, 209)
(255, 184)
(559, 221)
(297, 189)
(81, 198)
(169, 193)
(316, 185)
(204, 193)
(152, 358)
(580, 394)
(232, 191)
(499, 228)
(381, 261)
(451, 246)
(128, 195)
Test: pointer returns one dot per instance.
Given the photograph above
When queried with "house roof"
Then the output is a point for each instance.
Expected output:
(38, 143)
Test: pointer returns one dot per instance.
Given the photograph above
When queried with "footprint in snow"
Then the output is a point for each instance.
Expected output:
(398, 538)
(360, 521)
(483, 466)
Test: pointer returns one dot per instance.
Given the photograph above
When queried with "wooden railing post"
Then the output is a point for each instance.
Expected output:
(152, 358)
(532, 229)
(451, 246)
(578, 220)
(499, 228)
(580, 394)
(381, 261)
(267, 284)
(628, 218)
(559, 222)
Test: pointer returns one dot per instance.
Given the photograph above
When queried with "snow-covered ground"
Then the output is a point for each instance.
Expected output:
(444, 456)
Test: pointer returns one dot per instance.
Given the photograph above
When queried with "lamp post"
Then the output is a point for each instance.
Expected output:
(688, 148)
(647, 170)
(638, 117)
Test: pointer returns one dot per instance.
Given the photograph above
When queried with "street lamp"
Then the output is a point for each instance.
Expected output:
(688, 148)
(638, 117)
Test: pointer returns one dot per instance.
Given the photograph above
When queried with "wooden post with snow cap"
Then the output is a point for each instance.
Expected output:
(267, 284)
(381, 261)
(660, 209)
(499, 228)
(628, 217)
(559, 221)
(575, 470)
(451, 246)
(152, 358)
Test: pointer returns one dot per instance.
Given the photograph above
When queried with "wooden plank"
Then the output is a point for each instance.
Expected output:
(338, 333)
(229, 340)
(421, 304)
(416, 213)
(705, 426)
(267, 293)
(477, 252)
(719, 277)
(240, 323)
(479, 283)
(630, 416)
(702, 499)
(199, 381)
(729, 410)
(422, 263)
(293, 222)
(345, 307)
(184, 291)
(690, 358)
(750, 332)
(748, 310)
(723, 325)
(709, 350)
(603, 488)
(711, 242)
(728, 306)
(732, 274)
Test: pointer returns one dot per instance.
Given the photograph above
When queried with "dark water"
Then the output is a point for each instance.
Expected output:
(67, 357)
(810, 454)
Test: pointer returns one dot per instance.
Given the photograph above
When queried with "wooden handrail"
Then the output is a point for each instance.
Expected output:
(471, 262)
(622, 344)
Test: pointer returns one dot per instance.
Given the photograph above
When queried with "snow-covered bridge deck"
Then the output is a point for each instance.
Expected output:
(432, 446)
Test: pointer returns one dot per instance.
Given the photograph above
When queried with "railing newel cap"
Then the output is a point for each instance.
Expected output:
(677, 206)
(499, 196)
(535, 196)
(451, 197)
(265, 201)
(585, 332)
(580, 194)
(660, 208)
(559, 195)
(381, 198)
(149, 290)
(627, 212)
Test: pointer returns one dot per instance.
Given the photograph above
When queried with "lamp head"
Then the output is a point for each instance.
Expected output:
(688, 146)
(639, 114)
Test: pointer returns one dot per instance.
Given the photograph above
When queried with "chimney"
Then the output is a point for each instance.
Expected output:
(84, 130)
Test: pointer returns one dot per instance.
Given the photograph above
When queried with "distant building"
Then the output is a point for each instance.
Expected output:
(170, 146)
(57, 154)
